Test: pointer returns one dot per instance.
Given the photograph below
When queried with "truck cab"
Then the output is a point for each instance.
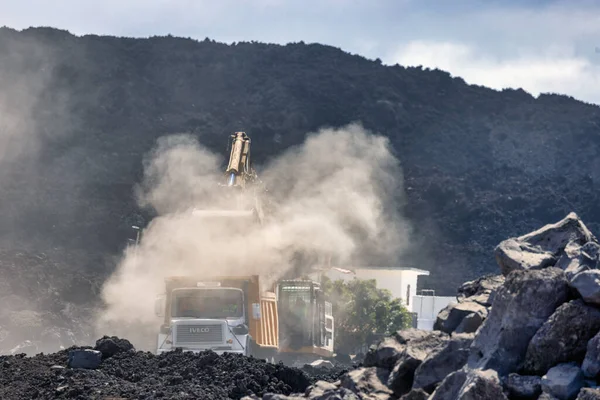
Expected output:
(222, 315)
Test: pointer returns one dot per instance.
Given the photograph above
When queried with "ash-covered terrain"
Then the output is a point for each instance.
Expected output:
(530, 332)
(119, 371)
(80, 118)
(478, 165)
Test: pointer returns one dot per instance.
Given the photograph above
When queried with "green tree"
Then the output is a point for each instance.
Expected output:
(363, 312)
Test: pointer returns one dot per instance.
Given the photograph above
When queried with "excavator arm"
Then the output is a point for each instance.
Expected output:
(241, 194)
(239, 171)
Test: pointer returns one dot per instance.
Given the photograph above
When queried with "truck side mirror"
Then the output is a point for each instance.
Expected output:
(159, 306)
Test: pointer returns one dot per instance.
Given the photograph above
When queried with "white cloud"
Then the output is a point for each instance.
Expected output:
(541, 46)
(534, 73)
(541, 50)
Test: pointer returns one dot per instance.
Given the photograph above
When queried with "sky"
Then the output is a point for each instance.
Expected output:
(540, 46)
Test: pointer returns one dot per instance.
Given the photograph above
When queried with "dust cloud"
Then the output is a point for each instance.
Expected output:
(34, 115)
(335, 197)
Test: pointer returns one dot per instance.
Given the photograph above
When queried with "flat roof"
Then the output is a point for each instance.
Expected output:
(374, 267)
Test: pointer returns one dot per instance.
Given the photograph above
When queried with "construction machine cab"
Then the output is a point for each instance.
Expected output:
(305, 318)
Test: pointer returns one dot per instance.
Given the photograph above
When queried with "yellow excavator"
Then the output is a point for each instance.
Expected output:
(290, 321)
(240, 191)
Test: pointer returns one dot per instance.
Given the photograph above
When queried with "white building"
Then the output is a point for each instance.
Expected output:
(400, 281)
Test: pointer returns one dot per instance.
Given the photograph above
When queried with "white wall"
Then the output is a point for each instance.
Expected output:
(396, 280)
(428, 307)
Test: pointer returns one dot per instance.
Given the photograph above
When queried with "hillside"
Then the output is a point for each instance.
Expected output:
(79, 114)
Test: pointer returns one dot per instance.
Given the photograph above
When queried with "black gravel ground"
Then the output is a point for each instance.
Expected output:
(132, 374)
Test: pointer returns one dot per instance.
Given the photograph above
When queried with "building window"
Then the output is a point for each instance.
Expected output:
(408, 295)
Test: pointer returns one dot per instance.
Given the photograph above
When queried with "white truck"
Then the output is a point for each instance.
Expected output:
(223, 314)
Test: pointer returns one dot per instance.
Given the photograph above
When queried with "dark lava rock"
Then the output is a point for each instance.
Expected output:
(384, 354)
(589, 394)
(541, 248)
(84, 358)
(522, 305)
(563, 338)
(471, 322)
(451, 357)
(563, 381)
(591, 362)
(109, 346)
(524, 386)
(577, 258)
(482, 385)
(417, 350)
(450, 387)
(450, 317)
(368, 382)
(481, 290)
(587, 284)
(466, 384)
(143, 375)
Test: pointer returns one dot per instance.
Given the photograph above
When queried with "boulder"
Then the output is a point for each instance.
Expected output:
(109, 346)
(521, 306)
(472, 322)
(450, 387)
(541, 248)
(449, 358)
(450, 317)
(523, 387)
(470, 384)
(512, 254)
(481, 385)
(406, 335)
(385, 354)
(577, 258)
(485, 283)
(481, 290)
(591, 362)
(84, 358)
(589, 394)
(563, 381)
(369, 382)
(563, 337)
(555, 237)
(417, 350)
(587, 284)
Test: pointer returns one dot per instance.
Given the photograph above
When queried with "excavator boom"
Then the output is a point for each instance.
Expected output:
(238, 169)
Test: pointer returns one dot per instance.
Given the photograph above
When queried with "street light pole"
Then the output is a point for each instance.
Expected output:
(137, 236)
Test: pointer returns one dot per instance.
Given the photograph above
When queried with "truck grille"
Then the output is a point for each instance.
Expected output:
(199, 333)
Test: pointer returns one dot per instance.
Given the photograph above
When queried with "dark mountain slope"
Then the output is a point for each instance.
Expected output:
(480, 165)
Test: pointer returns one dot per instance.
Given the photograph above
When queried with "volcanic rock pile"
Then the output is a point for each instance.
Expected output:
(119, 371)
(531, 332)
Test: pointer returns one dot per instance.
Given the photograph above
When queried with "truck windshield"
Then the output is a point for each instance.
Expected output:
(208, 303)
